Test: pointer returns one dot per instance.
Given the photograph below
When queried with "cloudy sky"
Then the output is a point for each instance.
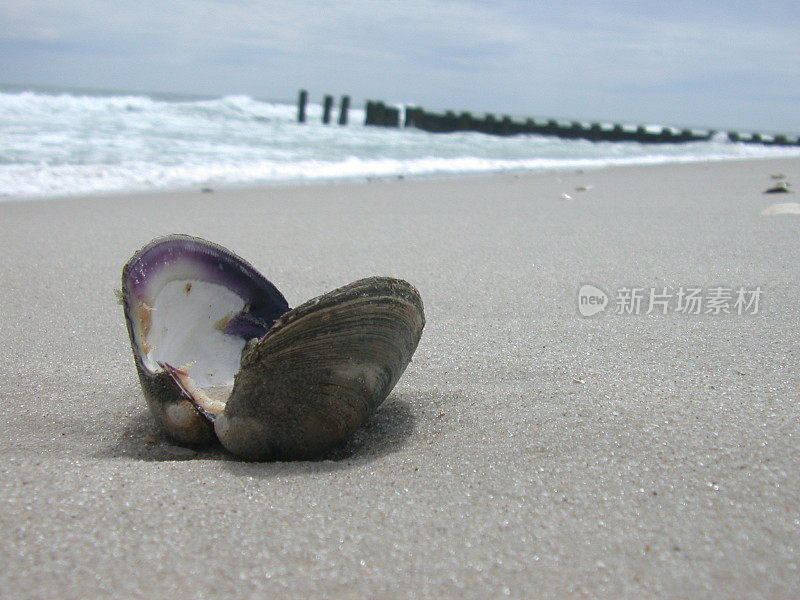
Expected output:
(718, 63)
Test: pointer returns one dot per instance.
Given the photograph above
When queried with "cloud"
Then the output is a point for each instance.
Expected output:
(582, 59)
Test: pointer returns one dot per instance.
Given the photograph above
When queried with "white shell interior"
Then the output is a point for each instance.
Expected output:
(186, 330)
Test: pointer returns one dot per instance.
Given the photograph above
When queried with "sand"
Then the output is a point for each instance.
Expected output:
(527, 451)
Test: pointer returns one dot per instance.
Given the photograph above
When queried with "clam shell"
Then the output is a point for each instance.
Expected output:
(322, 369)
(303, 379)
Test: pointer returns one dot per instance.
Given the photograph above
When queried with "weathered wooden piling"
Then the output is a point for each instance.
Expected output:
(449, 122)
(380, 115)
(345, 106)
(465, 122)
(642, 135)
(551, 127)
(489, 124)
(302, 98)
(369, 113)
(666, 136)
(391, 117)
(529, 126)
(506, 126)
(594, 133)
(326, 109)
(575, 131)
(413, 116)
(377, 113)
(374, 113)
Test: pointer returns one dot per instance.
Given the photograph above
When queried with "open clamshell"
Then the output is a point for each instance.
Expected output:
(219, 353)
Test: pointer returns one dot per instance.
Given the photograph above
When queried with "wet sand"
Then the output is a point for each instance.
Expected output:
(528, 451)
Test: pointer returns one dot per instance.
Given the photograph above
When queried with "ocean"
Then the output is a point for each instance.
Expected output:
(67, 143)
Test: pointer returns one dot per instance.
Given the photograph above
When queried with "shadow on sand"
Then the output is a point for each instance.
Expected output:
(383, 433)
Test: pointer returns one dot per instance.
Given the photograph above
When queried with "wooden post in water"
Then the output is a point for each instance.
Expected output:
(506, 127)
(301, 106)
(412, 118)
(666, 136)
(378, 113)
(326, 110)
(575, 130)
(642, 136)
(344, 108)
(391, 117)
(489, 124)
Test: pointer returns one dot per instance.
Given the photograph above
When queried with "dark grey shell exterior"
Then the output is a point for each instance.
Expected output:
(322, 369)
(309, 381)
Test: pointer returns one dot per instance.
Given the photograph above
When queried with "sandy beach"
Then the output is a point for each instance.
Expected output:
(527, 452)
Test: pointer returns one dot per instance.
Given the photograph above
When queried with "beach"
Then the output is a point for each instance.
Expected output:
(528, 451)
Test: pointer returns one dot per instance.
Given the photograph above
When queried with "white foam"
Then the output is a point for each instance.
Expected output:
(53, 145)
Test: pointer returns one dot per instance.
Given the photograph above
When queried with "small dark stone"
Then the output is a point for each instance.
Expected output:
(782, 187)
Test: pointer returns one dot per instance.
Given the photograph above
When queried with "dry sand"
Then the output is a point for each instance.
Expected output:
(527, 452)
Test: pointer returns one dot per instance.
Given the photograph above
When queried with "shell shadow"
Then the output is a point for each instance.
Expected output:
(386, 431)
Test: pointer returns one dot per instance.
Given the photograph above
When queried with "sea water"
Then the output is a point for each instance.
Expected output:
(65, 143)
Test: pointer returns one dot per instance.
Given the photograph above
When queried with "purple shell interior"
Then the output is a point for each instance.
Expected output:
(194, 258)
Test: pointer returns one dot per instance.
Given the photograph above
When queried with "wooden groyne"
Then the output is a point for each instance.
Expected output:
(379, 114)
(766, 139)
(506, 126)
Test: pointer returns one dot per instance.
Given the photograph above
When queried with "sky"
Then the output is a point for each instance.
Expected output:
(712, 63)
